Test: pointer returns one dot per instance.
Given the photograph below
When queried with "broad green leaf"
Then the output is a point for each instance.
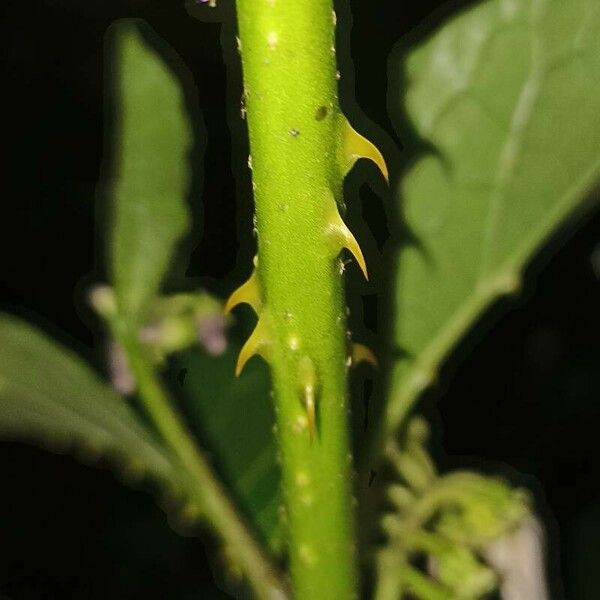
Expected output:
(152, 138)
(49, 397)
(234, 418)
(508, 95)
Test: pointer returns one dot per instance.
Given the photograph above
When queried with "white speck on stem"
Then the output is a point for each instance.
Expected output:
(302, 479)
(272, 40)
(300, 424)
(307, 555)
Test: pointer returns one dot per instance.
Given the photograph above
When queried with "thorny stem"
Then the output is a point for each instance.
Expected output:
(207, 491)
(301, 148)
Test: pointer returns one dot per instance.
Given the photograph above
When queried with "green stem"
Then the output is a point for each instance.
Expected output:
(301, 148)
(398, 579)
(206, 489)
(423, 588)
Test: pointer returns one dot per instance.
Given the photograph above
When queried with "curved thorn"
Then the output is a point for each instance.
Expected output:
(356, 146)
(343, 238)
(247, 293)
(362, 353)
(259, 342)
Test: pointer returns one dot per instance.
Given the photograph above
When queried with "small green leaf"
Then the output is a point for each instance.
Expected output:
(235, 420)
(152, 139)
(49, 397)
(508, 93)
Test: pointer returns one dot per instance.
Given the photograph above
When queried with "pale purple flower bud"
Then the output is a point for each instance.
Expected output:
(150, 334)
(211, 334)
(121, 377)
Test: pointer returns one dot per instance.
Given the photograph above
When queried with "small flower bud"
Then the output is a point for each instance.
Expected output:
(121, 377)
(211, 334)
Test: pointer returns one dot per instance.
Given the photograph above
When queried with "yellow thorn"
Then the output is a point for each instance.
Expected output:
(356, 146)
(248, 293)
(309, 403)
(259, 342)
(342, 237)
(361, 353)
(306, 372)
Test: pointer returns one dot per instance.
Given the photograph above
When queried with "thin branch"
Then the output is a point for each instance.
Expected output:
(217, 507)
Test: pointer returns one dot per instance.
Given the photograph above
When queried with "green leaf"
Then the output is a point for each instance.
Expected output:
(234, 417)
(49, 397)
(508, 94)
(151, 169)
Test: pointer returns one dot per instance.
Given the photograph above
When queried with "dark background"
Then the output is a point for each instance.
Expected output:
(520, 396)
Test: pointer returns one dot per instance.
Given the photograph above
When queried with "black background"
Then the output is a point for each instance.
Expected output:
(520, 396)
